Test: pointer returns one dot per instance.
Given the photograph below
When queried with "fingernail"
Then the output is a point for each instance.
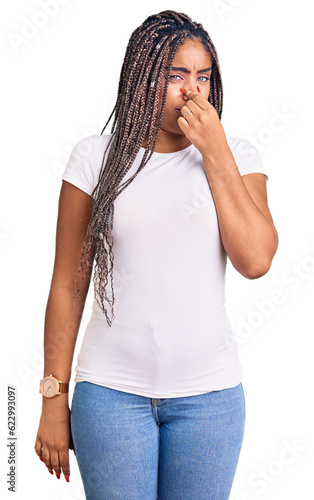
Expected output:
(182, 90)
(51, 472)
(58, 476)
(41, 459)
(198, 89)
(67, 478)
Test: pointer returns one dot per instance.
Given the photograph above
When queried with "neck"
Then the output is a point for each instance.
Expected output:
(168, 142)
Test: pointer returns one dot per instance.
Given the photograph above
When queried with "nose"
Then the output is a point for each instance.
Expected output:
(190, 88)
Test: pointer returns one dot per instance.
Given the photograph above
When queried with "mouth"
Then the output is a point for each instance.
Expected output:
(178, 110)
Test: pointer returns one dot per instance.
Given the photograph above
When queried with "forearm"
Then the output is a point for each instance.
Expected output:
(62, 321)
(247, 235)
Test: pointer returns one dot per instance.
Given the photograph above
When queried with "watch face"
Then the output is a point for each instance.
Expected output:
(49, 387)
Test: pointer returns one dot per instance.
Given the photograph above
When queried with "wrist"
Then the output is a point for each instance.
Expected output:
(51, 387)
(61, 400)
(221, 170)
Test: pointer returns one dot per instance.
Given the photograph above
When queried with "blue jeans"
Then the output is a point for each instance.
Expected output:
(133, 447)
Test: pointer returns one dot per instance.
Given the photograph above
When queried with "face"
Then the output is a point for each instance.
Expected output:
(192, 56)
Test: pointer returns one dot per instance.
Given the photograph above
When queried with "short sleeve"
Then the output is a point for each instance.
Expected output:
(247, 157)
(80, 169)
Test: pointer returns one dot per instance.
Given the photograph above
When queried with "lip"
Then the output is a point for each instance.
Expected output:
(178, 110)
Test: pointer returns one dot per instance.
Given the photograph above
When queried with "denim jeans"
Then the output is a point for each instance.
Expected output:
(133, 447)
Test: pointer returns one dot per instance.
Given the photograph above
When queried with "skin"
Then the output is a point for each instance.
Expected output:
(62, 320)
(246, 227)
(193, 56)
(245, 223)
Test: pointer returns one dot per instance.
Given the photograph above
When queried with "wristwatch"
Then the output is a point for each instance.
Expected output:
(51, 387)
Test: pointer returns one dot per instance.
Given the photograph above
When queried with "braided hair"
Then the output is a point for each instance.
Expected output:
(151, 47)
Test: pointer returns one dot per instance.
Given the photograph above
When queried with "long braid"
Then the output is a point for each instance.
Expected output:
(151, 47)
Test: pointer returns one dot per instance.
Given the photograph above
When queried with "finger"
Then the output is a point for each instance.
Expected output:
(193, 106)
(189, 116)
(54, 460)
(38, 446)
(183, 124)
(64, 461)
(38, 450)
(45, 454)
(196, 98)
(71, 445)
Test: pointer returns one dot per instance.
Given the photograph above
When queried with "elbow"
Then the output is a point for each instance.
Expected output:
(257, 271)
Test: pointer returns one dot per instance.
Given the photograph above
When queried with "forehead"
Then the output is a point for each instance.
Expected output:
(193, 53)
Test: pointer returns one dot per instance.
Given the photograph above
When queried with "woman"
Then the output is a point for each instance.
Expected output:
(158, 408)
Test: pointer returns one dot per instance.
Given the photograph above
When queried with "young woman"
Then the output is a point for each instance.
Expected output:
(158, 408)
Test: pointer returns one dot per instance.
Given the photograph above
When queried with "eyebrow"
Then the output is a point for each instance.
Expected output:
(187, 71)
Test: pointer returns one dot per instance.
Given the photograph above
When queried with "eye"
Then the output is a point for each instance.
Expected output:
(174, 77)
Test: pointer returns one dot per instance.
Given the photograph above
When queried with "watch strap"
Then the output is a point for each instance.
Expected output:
(63, 387)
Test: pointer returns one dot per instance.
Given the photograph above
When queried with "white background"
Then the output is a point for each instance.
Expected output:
(60, 86)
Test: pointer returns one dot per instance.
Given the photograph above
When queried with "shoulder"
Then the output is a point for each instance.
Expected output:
(85, 160)
(89, 151)
(101, 141)
(91, 143)
(247, 156)
(241, 147)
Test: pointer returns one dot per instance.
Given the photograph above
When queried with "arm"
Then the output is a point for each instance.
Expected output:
(62, 318)
(62, 321)
(246, 226)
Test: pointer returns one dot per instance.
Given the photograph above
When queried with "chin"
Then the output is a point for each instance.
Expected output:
(170, 129)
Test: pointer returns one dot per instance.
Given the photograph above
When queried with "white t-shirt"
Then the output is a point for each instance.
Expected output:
(171, 336)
